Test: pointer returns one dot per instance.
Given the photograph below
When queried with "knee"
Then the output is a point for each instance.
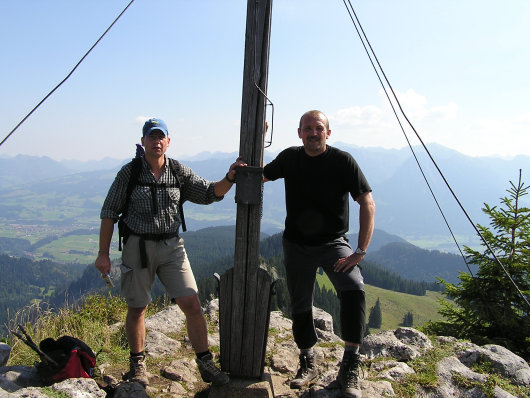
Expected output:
(136, 313)
(190, 305)
(353, 299)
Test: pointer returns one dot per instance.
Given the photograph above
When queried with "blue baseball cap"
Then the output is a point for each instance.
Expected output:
(154, 124)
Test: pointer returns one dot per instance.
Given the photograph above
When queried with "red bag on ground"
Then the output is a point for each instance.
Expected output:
(73, 359)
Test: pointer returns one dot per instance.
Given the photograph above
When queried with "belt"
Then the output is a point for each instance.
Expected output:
(143, 237)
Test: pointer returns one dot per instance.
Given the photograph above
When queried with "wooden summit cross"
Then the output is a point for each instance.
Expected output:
(245, 289)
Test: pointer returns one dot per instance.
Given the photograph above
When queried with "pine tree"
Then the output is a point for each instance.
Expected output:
(408, 319)
(375, 319)
(487, 307)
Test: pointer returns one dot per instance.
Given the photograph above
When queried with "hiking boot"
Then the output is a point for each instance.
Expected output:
(306, 372)
(348, 377)
(137, 370)
(211, 373)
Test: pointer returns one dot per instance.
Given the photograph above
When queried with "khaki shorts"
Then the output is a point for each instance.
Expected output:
(165, 258)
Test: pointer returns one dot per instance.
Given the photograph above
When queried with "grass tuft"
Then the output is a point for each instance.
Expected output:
(86, 321)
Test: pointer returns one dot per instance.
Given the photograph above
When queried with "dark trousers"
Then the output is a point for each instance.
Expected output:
(301, 265)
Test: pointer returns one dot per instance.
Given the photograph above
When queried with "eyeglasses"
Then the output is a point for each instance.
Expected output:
(156, 136)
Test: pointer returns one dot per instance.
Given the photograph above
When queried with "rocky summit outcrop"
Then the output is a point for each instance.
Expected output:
(391, 362)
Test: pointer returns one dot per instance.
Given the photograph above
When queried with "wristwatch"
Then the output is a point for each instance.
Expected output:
(360, 251)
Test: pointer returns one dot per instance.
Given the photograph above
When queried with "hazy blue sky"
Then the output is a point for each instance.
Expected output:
(460, 69)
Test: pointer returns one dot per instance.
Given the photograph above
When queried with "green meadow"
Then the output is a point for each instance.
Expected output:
(395, 305)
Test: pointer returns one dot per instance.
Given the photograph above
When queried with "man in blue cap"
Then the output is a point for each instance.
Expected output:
(151, 214)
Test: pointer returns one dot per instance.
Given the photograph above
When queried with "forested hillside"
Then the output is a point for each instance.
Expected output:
(210, 251)
(416, 264)
(23, 281)
(15, 246)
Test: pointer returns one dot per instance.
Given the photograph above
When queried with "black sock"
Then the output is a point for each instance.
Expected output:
(138, 354)
(201, 355)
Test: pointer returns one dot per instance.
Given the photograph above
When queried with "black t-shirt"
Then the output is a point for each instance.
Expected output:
(316, 192)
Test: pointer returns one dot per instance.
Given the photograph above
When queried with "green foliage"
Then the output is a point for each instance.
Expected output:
(425, 368)
(104, 309)
(487, 307)
(493, 379)
(50, 392)
(87, 320)
(375, 319)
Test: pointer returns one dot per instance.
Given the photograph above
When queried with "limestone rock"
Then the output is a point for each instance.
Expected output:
(80, 388)
(386, 359)
(503, 361)
(170, 320)
(158, 344)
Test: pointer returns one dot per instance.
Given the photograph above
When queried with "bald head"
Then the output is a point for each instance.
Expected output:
(314, 131)
(316, 114)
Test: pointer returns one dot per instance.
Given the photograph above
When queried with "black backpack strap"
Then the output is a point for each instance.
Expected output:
(136, 168)
(174, 165)
(61, 350)
(69, 343)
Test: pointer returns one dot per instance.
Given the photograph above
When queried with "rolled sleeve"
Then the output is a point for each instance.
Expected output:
(196, 189)
(115, 200)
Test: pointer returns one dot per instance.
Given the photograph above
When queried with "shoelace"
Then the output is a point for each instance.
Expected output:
(352, 378)
(139, 366)
(211, 367)
(302, 372)
(352, 375)
(304, 365)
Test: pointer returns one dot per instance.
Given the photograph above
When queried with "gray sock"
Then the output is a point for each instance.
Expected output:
(352, 348)
(307, 351)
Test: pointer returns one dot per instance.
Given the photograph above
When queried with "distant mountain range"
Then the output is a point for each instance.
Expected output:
(39, 190)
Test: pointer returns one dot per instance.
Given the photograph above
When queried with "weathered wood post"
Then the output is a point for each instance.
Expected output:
(245, 290)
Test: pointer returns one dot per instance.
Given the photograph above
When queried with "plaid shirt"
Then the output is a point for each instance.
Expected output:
(140, 217)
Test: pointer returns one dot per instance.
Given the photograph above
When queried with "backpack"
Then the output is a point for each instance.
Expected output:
(73, 359)
(136, 168)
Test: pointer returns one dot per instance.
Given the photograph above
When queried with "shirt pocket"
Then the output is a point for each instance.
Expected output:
(142, 200)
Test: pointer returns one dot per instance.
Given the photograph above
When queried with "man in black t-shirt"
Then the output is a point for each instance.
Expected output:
(318, 180)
